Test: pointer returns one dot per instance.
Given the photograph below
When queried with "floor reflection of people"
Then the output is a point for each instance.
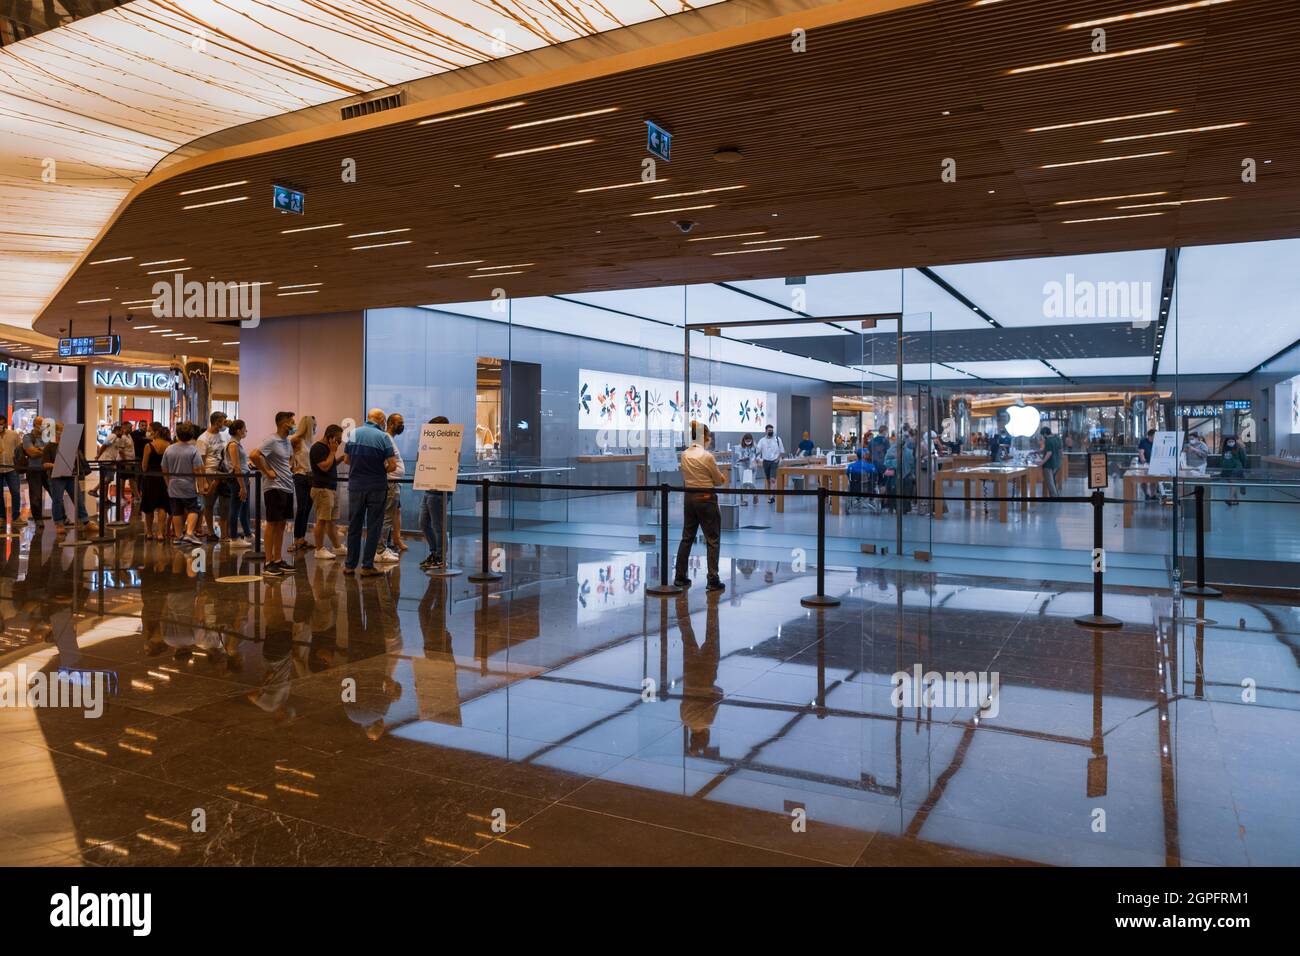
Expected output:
(701, 695)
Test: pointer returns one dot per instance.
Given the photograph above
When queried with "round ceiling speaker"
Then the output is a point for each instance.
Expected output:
(728, 155)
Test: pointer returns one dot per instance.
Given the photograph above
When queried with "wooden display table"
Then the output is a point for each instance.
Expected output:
(813, 467)
(1005, 479)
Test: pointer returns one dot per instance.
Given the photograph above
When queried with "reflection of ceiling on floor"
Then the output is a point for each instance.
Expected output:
(89, 108)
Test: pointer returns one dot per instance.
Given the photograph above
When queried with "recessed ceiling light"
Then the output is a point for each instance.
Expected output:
(1095, 58)
(446, 265)
(90, 301)
(1180, 202)
(141, 328)
(697, 192)
(382, 232)
(561, 119)
(236, 342)
(543, 149)
(493, 275)
(159, 331)
(328, 225)
(741, 252)
(201, 341)
(729, 235)
(661, 212)
(158, 272)
(639, 182)
(384, 245)
(160, 262)
(1105, 159)
(301, 285)
(1140, 14)
(174, 335)
(1143, 215)
(100, 262)
(215, 202)
(464, 113)
(759, 242)
(303, 292)
(204, 189)
(1078, 202)
(1173, 132)
(1095, 122)
(728, 156)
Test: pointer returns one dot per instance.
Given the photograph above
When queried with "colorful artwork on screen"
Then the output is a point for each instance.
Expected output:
(636, 402)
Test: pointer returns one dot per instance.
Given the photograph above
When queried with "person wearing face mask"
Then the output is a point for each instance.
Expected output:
(392, 551)
(770, 449)
(1234, 466)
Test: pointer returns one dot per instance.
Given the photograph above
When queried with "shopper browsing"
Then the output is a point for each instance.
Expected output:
(324, 458)
(701, 476)
(1052, 461)
(33, 451)
(746, 462)
(433, 508)
(770, 450)
(10, 443)
(371, 456)
(1145, 447)
(1234, 467)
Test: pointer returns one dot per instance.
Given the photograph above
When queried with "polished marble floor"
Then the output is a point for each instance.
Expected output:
(562, 717)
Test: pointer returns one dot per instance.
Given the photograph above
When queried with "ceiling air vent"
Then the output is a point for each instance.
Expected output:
(372, 106)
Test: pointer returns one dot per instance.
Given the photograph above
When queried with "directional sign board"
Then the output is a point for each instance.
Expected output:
(438, 461)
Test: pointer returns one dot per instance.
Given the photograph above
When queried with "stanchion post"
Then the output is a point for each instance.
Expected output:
(104, 537)
(257, 554)
(1200, 589)
(665, 587)
(485, 572)
(821, 598)
(1098, 619)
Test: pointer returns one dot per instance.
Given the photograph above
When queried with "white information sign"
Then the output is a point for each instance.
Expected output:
(69, 445)
(1164, 453)
(663, 459)
(438, 461)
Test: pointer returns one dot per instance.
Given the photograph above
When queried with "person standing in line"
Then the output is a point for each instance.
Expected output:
(324, 458)
(181, 465)
(391, 550)
(211, 445)
(10, 443)
(69, 485)
(235, 458)
(770, 449)
(273, 459)
(154, 503)
(304, 436)
(371, 456)
(432, 511)
(1234, 467)
(1051, 447)
(33, 448)
(124, 456)
(1145, 447)
(139, 436)
(700, 475)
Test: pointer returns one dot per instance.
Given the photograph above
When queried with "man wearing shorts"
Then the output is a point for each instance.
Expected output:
(181, 462)
(274, 460)
(212, 446)
(770, 449)
(324, 457)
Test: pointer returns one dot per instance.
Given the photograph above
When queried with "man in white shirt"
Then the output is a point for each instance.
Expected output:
(770, 449)
(212, 446)
(700, 474)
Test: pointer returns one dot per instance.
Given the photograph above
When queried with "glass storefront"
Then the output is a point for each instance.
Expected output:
(31, 389)
(595, 389)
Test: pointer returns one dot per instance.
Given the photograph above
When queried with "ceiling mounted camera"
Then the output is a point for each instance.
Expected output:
(684, 225)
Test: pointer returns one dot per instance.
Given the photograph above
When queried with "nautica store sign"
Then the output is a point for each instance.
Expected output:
(140, 381)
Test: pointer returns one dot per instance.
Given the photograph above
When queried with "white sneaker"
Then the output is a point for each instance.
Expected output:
(324, 554)
(238, 544)
(341, 551)
(388, 556)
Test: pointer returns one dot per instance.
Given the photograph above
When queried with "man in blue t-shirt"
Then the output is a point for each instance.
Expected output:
(371, 455)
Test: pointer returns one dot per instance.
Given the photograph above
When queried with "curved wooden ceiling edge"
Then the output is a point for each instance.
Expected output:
(626, 62)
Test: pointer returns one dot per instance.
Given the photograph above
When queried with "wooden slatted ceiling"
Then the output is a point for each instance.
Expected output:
(844, 142)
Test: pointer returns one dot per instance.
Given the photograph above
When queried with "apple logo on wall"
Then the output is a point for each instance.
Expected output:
(1023, 421)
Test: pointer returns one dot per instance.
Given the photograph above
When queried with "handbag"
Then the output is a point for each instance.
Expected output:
(747, 476)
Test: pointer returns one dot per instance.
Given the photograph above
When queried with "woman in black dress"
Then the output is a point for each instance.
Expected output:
(154, 485)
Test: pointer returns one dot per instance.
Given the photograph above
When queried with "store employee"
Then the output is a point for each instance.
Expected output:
(700, 475)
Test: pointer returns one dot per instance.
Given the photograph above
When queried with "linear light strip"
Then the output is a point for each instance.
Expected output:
(1141, 14)
(208, 189)
(561, 119)
(513, 265)
(730, 235)
(159, 272)
(447, 265)
(1096, 58)
(382, 232)
(1077, 202)
(759, 242)
(100, 262)
(745, 252)
(662, 212)
(543, 149)
(1180, 202)
(465, 113)
(330, 225)
(1173, 132)
(215, 202)
(1143, 215)
(492, 275)
(1105, 159)
(91, 301)
(301, 285)
(698, 192)
(640, 182)
(1095, 122)
(161, 262)
(384, 245)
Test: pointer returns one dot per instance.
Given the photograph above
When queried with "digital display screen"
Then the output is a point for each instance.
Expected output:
(87, 345)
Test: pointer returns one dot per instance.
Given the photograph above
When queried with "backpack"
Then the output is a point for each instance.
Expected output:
(20, 455)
